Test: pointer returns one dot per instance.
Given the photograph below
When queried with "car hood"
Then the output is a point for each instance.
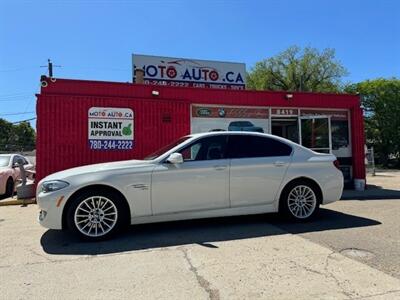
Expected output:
(98, 168)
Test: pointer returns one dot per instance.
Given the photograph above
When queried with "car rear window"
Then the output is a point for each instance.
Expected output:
(247, 146)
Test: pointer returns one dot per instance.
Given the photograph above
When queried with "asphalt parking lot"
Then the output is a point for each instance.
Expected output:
(352, 251)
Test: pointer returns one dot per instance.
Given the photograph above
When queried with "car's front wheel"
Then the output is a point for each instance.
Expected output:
(9, 187)
(95, 215)
(300, 201)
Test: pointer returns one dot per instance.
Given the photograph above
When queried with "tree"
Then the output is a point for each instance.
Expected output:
(380, 99)
(5, 132)
(20, 137)
(298, 70)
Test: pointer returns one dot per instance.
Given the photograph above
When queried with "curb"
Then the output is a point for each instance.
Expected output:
(17, 202)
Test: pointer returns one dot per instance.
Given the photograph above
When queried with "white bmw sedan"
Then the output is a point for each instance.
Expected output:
(199, 176)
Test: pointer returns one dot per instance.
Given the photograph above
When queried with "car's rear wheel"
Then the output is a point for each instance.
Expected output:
(9, 187)
(300, 201)
(96, 215)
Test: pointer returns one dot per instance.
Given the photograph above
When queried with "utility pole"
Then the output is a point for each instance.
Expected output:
(50, 67)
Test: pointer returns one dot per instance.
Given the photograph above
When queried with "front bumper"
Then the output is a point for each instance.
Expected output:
(51, 206)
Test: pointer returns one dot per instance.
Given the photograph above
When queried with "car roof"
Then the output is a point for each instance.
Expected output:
(247, 133)
(210, 133)
(244, 133)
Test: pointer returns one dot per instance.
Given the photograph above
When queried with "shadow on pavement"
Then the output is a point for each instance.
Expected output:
(372, 192)
(2, 197)
(202, 232)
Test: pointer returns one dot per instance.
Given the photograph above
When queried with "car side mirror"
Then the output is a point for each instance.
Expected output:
(15, 165)
(175, 158)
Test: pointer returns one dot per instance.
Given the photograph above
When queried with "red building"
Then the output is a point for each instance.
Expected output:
(85, 122)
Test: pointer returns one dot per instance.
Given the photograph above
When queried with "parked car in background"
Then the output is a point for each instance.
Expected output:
(10, 173)
(244, 126)
(216, 129)
(198, 176)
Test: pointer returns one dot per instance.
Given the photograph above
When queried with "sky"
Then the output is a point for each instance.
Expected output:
(94, 40)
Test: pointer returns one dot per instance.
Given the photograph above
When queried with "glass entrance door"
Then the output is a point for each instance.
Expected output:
(287, 128)
(315, 133)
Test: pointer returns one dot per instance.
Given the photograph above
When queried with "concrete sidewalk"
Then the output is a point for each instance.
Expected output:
(384, 185)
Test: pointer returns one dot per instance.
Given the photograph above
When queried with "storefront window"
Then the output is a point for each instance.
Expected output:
(315, 134)
(340, 134)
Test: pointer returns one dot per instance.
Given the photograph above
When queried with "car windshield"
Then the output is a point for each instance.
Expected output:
(164, 149)
(4, 160)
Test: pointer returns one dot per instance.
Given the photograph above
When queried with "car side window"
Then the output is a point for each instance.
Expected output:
(208, 148)
(247, 146)
(15, 160)
(20, 159)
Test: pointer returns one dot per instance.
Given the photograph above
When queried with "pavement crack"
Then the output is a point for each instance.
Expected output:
(374, 295)
(213, 294)
(41, 255)
(331, 275)
(308, 269)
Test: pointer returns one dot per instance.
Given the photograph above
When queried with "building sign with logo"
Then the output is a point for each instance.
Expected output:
(335, 115)
(207, 118)
(110, 128)
(190, 72)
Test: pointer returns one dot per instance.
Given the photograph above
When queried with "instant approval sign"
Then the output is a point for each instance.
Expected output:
(110, 128)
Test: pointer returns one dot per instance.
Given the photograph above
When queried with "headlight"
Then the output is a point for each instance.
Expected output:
(53, 185)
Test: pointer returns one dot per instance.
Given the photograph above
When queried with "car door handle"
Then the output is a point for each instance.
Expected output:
(220, 168)
(279, 163)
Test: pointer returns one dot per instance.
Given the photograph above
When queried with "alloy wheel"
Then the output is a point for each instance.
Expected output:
(302, 201)
(96, 216)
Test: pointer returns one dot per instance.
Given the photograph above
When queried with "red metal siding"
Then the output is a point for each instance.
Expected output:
(358, 142)
(62, 130)
(197, 95)
(62, 109)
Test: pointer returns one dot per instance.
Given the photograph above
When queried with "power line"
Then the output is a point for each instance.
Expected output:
(18, 113)
(17, 69)
(13, 100)
(27, 120)
(98, 68)
(15, 94)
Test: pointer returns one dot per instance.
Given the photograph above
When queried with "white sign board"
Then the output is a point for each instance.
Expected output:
(110, 128)
(190, 72)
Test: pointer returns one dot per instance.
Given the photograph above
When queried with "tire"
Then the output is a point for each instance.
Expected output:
(9, 187)
(300, 201)
(96, 215)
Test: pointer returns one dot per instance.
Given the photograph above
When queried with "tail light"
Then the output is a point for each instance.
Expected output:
(336, 164)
